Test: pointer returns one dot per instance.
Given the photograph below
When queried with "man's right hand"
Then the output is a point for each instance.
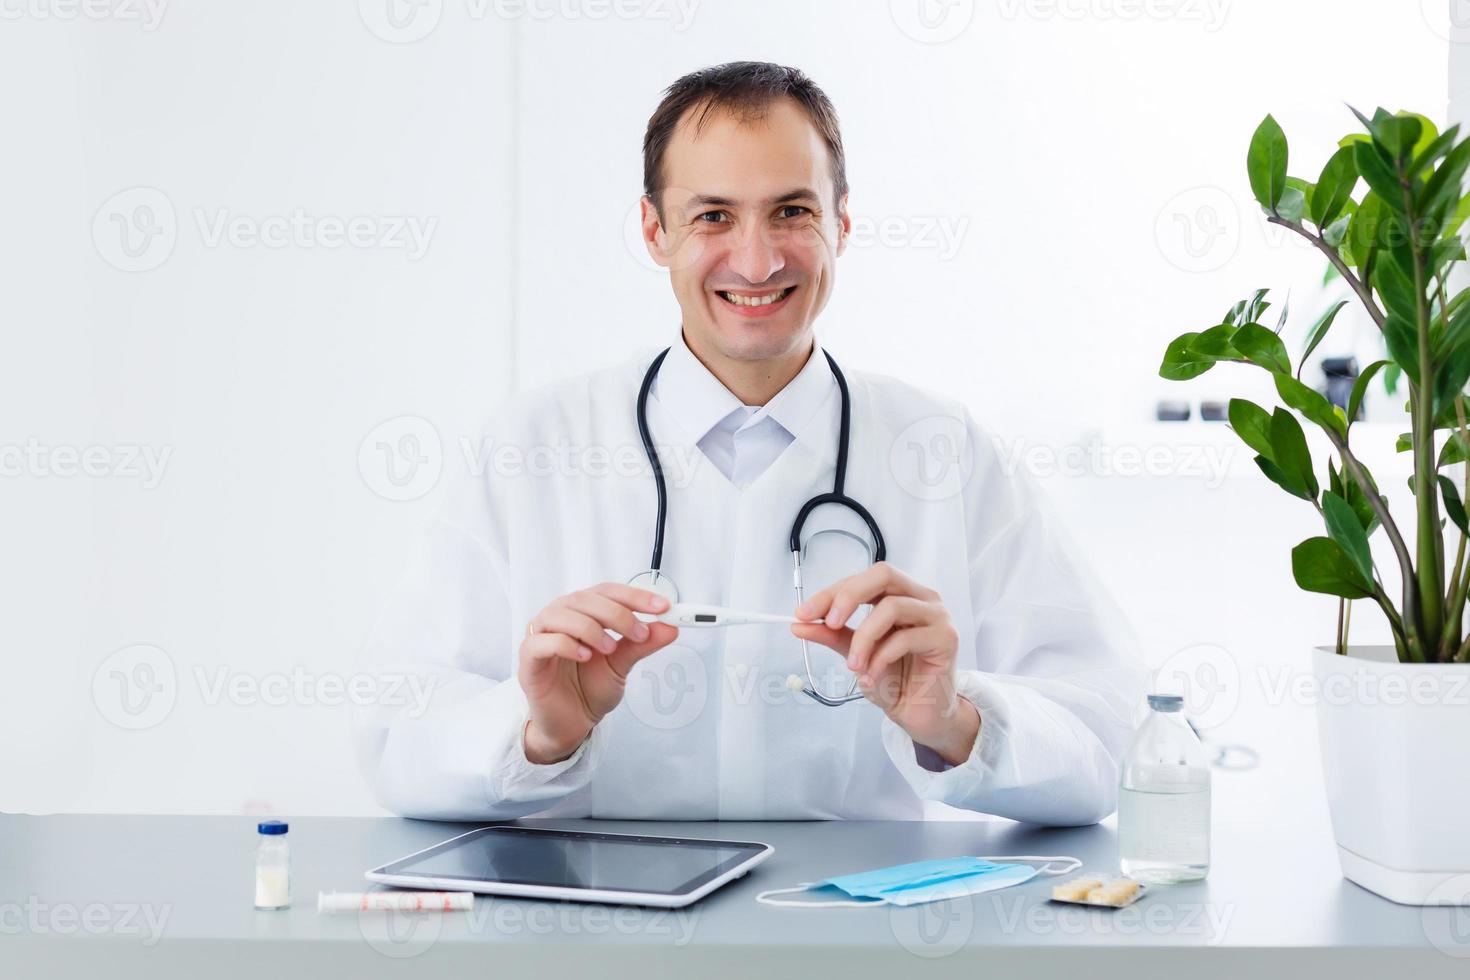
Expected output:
(573, 673)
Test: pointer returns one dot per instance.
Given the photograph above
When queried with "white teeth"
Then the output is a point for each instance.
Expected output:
(765, 300)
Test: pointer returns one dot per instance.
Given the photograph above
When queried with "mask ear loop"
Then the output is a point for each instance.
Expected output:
(839, 903)
(1071, 863)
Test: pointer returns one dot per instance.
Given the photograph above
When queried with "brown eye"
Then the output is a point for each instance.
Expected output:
(713, 217)
(794, 211)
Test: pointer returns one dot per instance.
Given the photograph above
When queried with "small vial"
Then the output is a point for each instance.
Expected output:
(1164, 799)
(272, 867)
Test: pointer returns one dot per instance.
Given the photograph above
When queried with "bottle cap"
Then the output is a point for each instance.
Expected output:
(1166, 702)
(272, 827)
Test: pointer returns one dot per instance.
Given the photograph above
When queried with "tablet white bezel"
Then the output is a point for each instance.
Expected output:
(613, 897)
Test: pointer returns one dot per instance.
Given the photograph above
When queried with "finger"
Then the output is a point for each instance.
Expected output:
(553, 646)
(838, 640)
(912, 642)
(641, 600)
(890, 613)
(629, 652)
(565, 619)
(839, 601)
(885, 687)
(609, 613)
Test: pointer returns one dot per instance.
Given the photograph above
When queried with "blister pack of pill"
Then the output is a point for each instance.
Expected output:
(1101, 891)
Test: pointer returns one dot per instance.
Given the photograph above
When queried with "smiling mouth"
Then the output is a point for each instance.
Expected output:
(757, 299)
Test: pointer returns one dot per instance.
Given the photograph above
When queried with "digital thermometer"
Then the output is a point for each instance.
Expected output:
(692, 614)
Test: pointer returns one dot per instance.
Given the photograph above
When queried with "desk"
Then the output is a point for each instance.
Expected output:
(162, 897)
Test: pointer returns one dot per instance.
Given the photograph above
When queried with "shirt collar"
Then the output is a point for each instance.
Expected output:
(699, 401)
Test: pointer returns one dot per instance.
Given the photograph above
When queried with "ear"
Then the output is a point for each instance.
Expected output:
(654, 238)
(844, 224)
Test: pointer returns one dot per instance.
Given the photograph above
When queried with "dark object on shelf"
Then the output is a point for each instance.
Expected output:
(1213, 411)
(1171, 411)
(1342, 374)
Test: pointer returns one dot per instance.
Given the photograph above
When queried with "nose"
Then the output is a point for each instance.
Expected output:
(756, 255)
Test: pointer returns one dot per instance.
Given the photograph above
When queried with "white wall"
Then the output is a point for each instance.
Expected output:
(1035, 176)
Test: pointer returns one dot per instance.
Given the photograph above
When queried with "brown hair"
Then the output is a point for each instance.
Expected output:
(746, 89)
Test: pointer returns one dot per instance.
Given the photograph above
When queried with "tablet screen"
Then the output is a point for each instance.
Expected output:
(569, 859)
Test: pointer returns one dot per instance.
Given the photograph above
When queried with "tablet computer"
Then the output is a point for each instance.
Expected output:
(532, 862)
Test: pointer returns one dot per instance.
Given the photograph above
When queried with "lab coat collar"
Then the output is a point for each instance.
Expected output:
(699, 401)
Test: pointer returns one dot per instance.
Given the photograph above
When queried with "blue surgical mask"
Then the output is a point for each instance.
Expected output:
(924, 881)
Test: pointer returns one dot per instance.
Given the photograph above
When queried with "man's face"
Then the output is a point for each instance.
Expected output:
(750, 234)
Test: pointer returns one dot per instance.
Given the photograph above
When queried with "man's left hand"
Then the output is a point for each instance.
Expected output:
(904, 654)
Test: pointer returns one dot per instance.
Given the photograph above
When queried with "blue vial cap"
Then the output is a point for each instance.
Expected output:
(272, 827)
(1166, 702)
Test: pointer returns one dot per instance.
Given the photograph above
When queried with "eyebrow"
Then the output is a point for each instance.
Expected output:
(710, 200)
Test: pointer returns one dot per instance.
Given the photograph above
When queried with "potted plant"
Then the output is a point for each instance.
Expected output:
(1394, 722)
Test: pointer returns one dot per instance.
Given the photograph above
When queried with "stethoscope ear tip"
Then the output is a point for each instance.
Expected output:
(795, 684)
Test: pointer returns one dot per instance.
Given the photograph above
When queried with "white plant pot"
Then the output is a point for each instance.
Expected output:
(1395, 742)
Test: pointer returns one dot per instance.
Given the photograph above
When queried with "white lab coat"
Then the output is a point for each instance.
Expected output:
(708, 729)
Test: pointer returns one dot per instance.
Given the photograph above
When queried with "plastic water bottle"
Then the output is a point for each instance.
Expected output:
(1164, 799)
(272, 867)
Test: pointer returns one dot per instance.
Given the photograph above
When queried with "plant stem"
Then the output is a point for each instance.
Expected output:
(1430, 544)
(1357, 285)
(1411, 624)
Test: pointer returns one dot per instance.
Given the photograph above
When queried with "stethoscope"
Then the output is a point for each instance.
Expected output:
(654, 578)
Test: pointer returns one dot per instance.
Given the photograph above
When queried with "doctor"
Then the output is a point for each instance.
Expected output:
(989, 671)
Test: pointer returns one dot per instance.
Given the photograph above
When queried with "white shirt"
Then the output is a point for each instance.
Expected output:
(740, 440)
(707, 728)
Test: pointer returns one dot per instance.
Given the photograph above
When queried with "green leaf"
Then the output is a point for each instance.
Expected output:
(1311, 403)
(1445, 182)
(1265, 163)
(1334, 187)
(1403, 344)
(1321, 565)
(1289, 454)
(1285, 311)
(1252, 423)
(1379, 175)
(1319, 331)
(1449, 383)
(1441, 254)
(1453, 451)
(1343, 526)
(1293, 204)
(1360, 389)
(1262, 347)
(1455, 220)
(1427, 153)
(1215, 342)
(1247, 310)
(1275, 474)
(1453, 507)
(1458, 328)
(1396, 289)
(1180, 362)
(1363, 230)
